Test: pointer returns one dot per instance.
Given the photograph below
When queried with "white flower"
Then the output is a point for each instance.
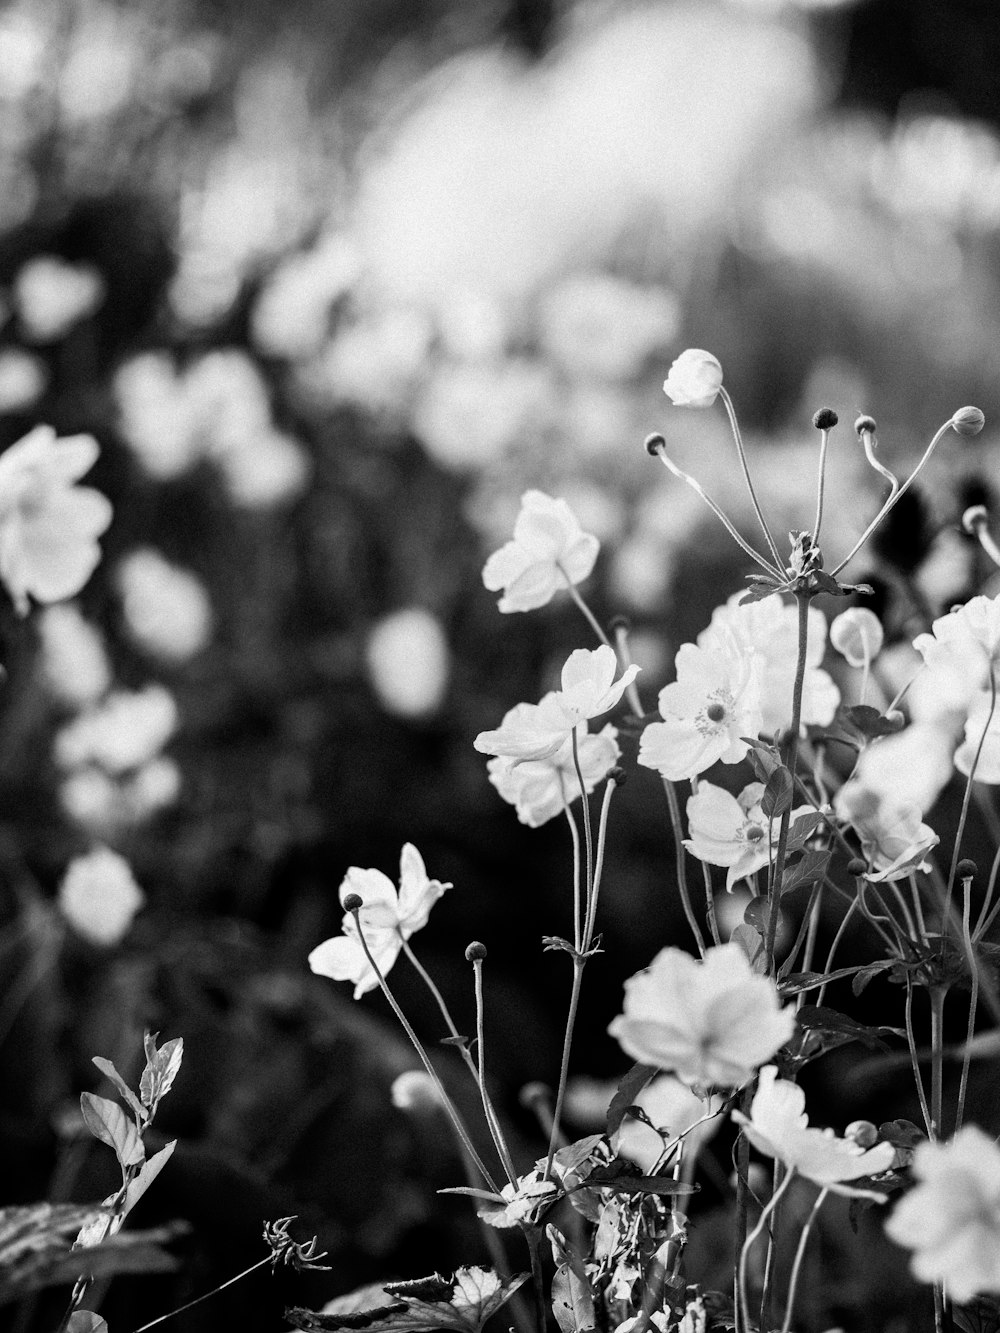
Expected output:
(727, 830)
(770, 629)
(528, 732)
(549, 549)
(714, 701)
(951, 1218)
(106, 805)
(271, 470)
(911, 767)
(984, 717)
(694, 379)
(408, 662)
(167, 610)
(23, 379)
(74, 660)
(966, 640)
(597, 326)
(48, 525)
(893, 839)
(99, 896)
(387, 919)
(673, 1110)
(125, 731)
(779, 1127)
(540, 789)
(712, 1021)
(51, 296)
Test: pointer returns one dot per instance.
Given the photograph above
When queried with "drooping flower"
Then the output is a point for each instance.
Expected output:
(388, 917)
(541, 789)
(709, 1021)
(732, 831)
(857, 635)
(713, 703)
(770, 629)
(694, 379)
(779, 1127)
(49, 525)
(894, 840)
(981, 746)
(549, 549)
(99, 896)
(951, 1218)
(967, 641)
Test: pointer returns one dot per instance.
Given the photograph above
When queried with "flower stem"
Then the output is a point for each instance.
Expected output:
(793, 1281)
(937, 995)
(966, 799)
(820, 484)
(488, 1111)
(675, 819)
(198, 1299)
(915, 1063)
(574, 1002)
(589, 616)
(738, 437)
(743, 1303)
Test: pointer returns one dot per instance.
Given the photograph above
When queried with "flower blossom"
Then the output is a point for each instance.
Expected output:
(694, 379)
(387, 919)
(894, 841)
(770, 629)
(967, 641)
(709, 1021)
(48, 525)
(99, 896)
(732, 831)
(549, 551)
(779, 1127)
(540, 789)
(713, 703)
(857, 635)
(981, 746)
(124, 731)
(951, 1218)
(673, 1111)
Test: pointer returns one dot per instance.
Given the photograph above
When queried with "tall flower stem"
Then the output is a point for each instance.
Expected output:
(738, 437)
(574, 1003)
(488, 1111)
(743, 1304)
(937, 994)
(588, 615)
(925, 1110)
(820, 483)
(682, 883)
(949, 889)
(793, 1281)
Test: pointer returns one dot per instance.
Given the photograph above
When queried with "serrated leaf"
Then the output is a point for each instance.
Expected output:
(572, 1293)
(161, 1069)
(85, 1321)
(110, 1072)
(108, 1122)
(757, 594)
(777, 797)
(628, 1090)
(462, 1302)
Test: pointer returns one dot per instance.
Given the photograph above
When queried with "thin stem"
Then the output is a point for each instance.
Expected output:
(577, 912)
(820, 484)
(488, 1109)
(937, 995)
(963, 1083)
(682, 884)
(589, 616)
(914, 1062)
(625, 658)
(737, 436)
(198, 1299)
(800, 1251)
(602, 836)
(968, 796)
(574, 1002)
(766, 1211)
(841, 930)
(588, 837)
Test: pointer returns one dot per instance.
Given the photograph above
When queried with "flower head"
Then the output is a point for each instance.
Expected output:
(549, 551)
(99, 896)
(387, 918)
(48, 525)
(709, 1021)
(779, 1127)
(731, 830)
(894, 840)
(673, 1111)
(857, 635)
(694, 379)
(540, 789)
(713, 703)
(951, 1218)
(966, 640)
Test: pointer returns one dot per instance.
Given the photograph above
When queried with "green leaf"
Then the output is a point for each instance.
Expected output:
(618, 1176)
(108, 1122)
(866, 973)
(751, 941)
(777, 797)
(572, 1293)
(628, 1090)
(870, 722)
(132, 1101)
(462, 1303)
(803, 829)
(764, 759)
(161, 1069)
(147, 1174)
(818, 1018)
(85, 1321)
(810, 867)
(827, 583)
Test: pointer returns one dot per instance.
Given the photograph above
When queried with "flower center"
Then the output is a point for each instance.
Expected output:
(753, 833)
(715, 712)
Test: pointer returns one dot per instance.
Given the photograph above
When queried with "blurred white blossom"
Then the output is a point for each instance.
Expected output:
(598, 326)
(732, 831)
(51, 295)
(894, 840)
(23, 379)
(549, 551)
(125, 731)
(541, 789)
(857, 635)
(674, 1111)
(74, 658)
(291, 316)
(167, 610)
(979, 752)
(408, 662)
(106, 805)
(99, 897)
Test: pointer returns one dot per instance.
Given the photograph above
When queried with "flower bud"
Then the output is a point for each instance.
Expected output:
(654, 443)
(863, 1132)
(974, 519)
(825, 419)
(415, 1090)
(694, 380)
(896, 719)
(865, 423)
(968, 421)
(617, 623)
(533, 1093)
(856, 867)
(967, 869)
(857, 635)
(353, 902)
(476, 952)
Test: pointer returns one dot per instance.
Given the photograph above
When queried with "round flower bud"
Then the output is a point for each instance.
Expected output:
(857, 635)
(825, 419)
(968, 421)
(533, 1093)
(863, 1132)
(975, 518)
(476, 952)
(967, 869)
(654, 443)
(622, 622)
(857, 867)
(895, 719)
(865, 423)
(353, 902)
(414, 1090)
(694, 380)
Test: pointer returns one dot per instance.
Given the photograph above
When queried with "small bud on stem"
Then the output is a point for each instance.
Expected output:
(968, 421)
(825, 419)
(353, 902)
(856, 867)
(476, 952)
(654, 443)
(967, 869)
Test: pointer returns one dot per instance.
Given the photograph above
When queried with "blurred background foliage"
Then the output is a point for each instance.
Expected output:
(333, 284)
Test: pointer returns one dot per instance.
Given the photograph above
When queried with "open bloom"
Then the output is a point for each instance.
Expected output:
(549, 551)
(709, 1021)
(99, 896)
(857, 635)
(694, 379)
(967, 641)
(732, 831)
(714, 701)
(893, 839)
(770, 629)
(981, 746)
(387, 919)
(48, 525)
(778, 1126)
(951, 1218)
(540, 789)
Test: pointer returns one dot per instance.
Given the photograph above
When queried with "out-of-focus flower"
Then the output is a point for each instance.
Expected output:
(599, 326)
(966, 640)
(105, 805)
(292, 313)
(541, 789)
(270, 470)
(74, 660)
(157, 417)
(727, 830)
(673, 1110)
(23, 379)
(375, 361)
(913, 766)
(778, 1126)
(893, 839)
(714, 701)
(982, 740)
(124, 732)
(99, 896)
(49, 525)
(951, 1218)
(415, 1090)
(712, 1021)
(947, 571)
(857, 635)
(694, 379)
(408, 662)
(51, 296)
(387, 919)
(769, 628)
(549, 550)
(167, 610)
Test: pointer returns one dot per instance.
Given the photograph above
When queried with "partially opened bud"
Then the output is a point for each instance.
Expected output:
(968, 421)
(975, 518)
(694, 380)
